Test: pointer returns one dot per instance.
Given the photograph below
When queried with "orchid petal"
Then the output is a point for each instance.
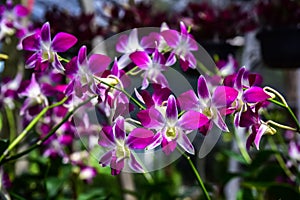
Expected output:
(203, 91)
(188, 100)
(139, 138)
(172, 37)
(82, 55)
(168, 146)
(106, 138)
(255, 94)
(156, 141)
(21, 11)
(192, 120)
(185, 143)
(98, 63)
(218, 120)
(45, 33)
(57, 64)
(122, 43)
(135, 165)
(106, 158)
(224, 96)
(171, 112)
(116, 165)
(141, 59)
(63, 41)
(261, 130)
(239, 78)
(32, 43)
(151, 118)
(119, 129)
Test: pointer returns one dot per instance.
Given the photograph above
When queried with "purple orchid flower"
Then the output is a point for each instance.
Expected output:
(34, 94)
(9, 91)
(127, 45)
(171, 130)
(87, 173)
(182, 45)
(153, 67)
(83, 71)
(121, 147)
(210, 105)
(46, 49)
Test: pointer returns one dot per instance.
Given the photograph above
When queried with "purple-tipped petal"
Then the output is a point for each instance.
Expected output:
(57, 64)
(224, 96)
(185, 143)
(82, 58)
(192, 120)
(119, 129)
(32, 43)
(188, 100)
(218, 120)
(161, 80)
(168, 146)
(98, 63)
(135, 165)
(32, 61)
(156, 141)
(151, 118)
(171, 60)
(172, 37)
(171, 112)
(239, 78)
(183, 29)
(106, 138)
(139, 138)
(122, 43)
(141, 59)
(116, 165)
(203, 91)
(106, 158)
(63, 41)
(261, 130)
(45, 33)
(255, 94)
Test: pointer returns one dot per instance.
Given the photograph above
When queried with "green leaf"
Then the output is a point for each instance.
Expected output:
(237, 156)
(93, 194)
(1, 123)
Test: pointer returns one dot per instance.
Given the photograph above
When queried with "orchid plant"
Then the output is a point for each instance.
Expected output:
(151, 118)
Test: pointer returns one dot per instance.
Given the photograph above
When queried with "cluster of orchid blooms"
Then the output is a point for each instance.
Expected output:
(162, 120)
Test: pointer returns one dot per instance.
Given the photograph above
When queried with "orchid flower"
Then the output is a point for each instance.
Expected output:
(84, 71)
(211, 106)
(182, 44)
(153, 67)
(121, 147)
(169, 129)
(34, 95)
(8, 91)
(45, 50)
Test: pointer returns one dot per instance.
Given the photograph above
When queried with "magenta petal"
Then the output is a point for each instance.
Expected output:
(33, 60)
(239, 78)
(119, 129)
(45, 33)
(106, 138)
(255, 95)
(224, 96)
(192, 120)
(116, 165)
(261, 130)
(188, 100)
(63, 41)
(57, 64)
(171, 112)
(82, 55)
(98, 63)
(161, 80)
(151, 118)
(139, 138)
(135, 165)
(185, 143)
(172, 37)
(21, 11)
(218, 120)
(203, 91)
(122, 43)
(141, 59)
(106, 158)
(156, 141)
(31, 43)
(168, 146)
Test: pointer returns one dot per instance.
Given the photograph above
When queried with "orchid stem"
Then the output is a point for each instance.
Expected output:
(283, 104)
(11, 123)
(51, 132)
(280, 160)
(201, 184)
(29, 127)
(241, 147)
(281, 125)
(204, 69)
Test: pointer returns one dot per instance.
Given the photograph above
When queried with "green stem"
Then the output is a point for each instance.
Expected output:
(280, 160)
(29, 127)
(201, 184)
(204, 69)
(51, 132)
(11, 123)
(241, 147)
